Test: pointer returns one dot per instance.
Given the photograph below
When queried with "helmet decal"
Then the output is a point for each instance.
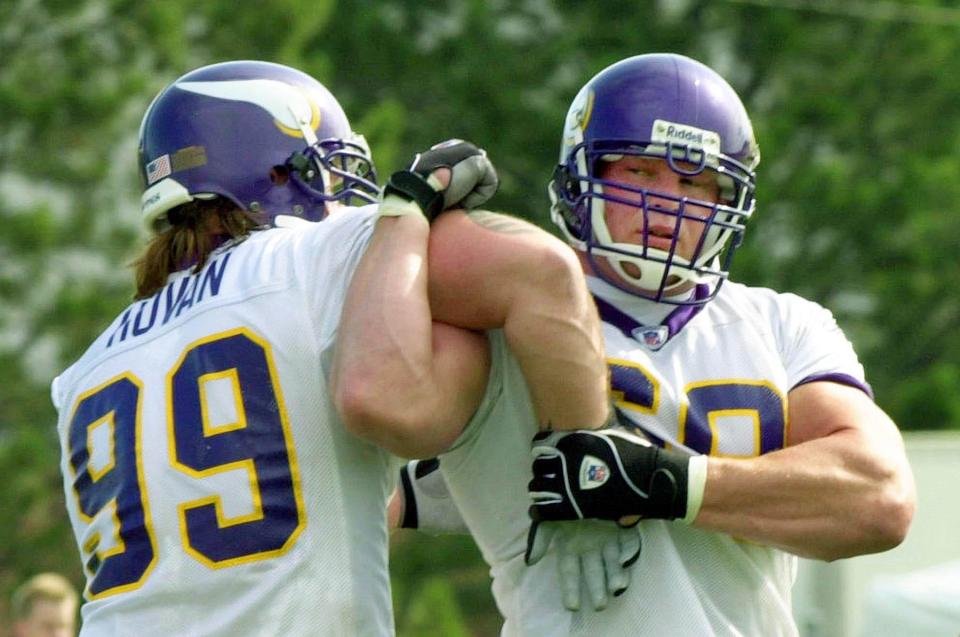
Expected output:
(289, 106)
(230, 129)
(183, 159)
(158, 169)
(581, 114)
(577, 119)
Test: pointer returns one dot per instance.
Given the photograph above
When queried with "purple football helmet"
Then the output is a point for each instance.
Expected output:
(268, 137)
(672, 108)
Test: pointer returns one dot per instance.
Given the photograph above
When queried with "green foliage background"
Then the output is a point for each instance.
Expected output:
(855, 107)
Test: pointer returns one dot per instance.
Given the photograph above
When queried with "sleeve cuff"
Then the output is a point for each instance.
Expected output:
(696, 484)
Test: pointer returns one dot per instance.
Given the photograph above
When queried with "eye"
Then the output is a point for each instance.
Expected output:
(700, 184)
(641, 172)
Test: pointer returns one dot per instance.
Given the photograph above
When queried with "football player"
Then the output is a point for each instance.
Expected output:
(749, 434)
(211, 486)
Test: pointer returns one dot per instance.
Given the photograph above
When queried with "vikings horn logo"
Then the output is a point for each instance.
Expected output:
(291, 107)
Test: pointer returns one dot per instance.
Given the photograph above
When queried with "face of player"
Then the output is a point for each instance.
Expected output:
(48, 618)
(626, 222)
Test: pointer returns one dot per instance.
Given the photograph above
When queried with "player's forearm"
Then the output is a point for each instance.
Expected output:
(492, 271)
(829, 498)
(556, 338)
(383, 364)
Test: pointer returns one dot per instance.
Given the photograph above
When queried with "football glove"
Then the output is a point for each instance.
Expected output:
(473, 180)
(597, 553)
(427, 504)
(610, 474)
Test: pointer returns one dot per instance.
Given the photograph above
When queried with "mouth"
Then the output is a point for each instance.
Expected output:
(659, 237)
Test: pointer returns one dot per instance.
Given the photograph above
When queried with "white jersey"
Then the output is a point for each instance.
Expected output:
(211, 487)
(719, 386)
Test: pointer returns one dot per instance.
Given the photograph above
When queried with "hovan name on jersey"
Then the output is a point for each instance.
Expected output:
(171, 301)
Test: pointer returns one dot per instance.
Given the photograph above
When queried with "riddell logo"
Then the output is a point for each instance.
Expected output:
(684, 135)
(674, 133)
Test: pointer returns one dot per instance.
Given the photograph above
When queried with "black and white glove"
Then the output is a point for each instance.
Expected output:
(473, 180)
(610, 474)
(596, 553)
(427, 505)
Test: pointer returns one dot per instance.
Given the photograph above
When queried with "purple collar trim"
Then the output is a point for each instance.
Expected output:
(674, 322)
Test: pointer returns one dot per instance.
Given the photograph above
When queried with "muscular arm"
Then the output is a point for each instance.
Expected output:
(410, 385)
(842, 486)
(399, 380)
(490, 270)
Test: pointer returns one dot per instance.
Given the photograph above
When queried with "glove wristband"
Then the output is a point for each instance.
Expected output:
(397, 206)
(696, 484)
(411, 186)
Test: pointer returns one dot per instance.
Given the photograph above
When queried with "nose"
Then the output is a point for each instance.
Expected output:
(663, 198)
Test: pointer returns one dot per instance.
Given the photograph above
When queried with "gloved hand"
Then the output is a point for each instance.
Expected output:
(598, 553)
(610, 474)
(426, 503)
(472, 180)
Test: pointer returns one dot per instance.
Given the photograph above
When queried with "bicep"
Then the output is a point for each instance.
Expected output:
(480, 263)
(824, 408)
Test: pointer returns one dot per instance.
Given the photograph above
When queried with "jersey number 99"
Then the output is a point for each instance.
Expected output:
(257, 443)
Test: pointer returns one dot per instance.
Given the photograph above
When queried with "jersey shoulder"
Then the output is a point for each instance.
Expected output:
(806, 334)
(779, 311)
(298, 240)
(310, 259)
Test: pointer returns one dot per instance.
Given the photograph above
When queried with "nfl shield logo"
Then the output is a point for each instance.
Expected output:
(593, 472)
(597, 474)
(653, 337)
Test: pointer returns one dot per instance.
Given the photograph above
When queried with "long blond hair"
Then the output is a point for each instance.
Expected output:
(196, 229)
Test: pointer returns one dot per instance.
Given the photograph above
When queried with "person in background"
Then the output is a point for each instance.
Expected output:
(45, 606)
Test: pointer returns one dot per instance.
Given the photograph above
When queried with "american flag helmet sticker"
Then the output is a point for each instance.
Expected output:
(158, 169)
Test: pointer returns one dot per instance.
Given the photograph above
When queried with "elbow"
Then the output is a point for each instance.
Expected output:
(894, 502)
(558, 268)
(553, 287)
(370, 415)
(896, 506)
(884, 523)
(353, 400)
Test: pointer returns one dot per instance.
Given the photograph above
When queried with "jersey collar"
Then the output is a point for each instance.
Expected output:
(651, 334)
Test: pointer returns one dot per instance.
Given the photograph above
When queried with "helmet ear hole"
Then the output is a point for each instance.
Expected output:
(279, 175)
(570, 185)
(565, 192)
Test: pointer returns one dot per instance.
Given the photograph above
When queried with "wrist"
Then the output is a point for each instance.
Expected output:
(696, 485)
(414, 188)
(397, 206)
(660, 477)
